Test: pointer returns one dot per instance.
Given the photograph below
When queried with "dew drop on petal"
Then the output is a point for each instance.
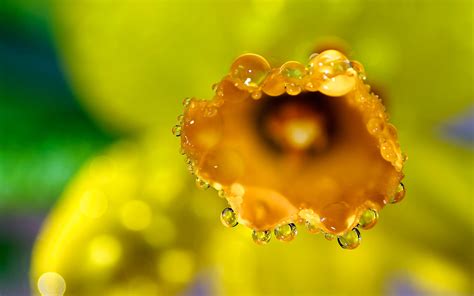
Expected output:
(375, 126)
(329, 236)
(229, 218)
(286, 232)
(261, 237)
(249, 71)
(349, 240)
(176, 130)
(400, 194)
(368, 219)
(312, 228)
(202, 184)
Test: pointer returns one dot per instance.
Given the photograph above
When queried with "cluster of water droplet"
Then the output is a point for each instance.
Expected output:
(329, 72)
(287, 232)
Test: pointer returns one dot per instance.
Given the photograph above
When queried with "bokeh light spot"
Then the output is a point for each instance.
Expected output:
(135, 215)
(104, 250)
(51, 284)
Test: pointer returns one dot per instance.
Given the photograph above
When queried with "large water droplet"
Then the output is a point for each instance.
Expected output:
(400, 194)
(368, 219)
(349, 240)
(249, 71)
(286, 232)
(229, 218)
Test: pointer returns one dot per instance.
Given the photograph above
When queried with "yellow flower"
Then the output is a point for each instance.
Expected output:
(295, 144)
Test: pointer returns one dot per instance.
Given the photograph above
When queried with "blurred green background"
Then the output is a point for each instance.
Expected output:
(78, 78)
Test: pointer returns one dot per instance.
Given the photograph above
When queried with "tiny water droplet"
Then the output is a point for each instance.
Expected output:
(229, 218)
(329, 236)
(349, 240)
(201, 184)
(176, 130)
(286, 232)
(261, 237)
(400, 194)
(256, 95)
(190, 165)
(312, 228)
(368, 219)
(180, 119)
(221, 193)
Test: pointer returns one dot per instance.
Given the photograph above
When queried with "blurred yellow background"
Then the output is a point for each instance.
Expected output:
(130, 220)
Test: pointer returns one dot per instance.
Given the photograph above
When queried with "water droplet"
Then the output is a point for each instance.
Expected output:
(249, 71)
(286, 232)
(359, 68)
(368, 219)
(176, 130)
(51, 284)
(293, 89)
(256, 95)
(312, 86)
(186, 102)
(329, 236)
(400, 194)
(349, 240)
(293, 71)
(180, 119)
(210, 111)
(387, 151)
(201, 184)
(229, 218)
(375, 126)
(230, 92)
(312, 228)
(261, 237)
(274, 85)
(221, 193)
(337, 86)
(328, 64)
(190, 165)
